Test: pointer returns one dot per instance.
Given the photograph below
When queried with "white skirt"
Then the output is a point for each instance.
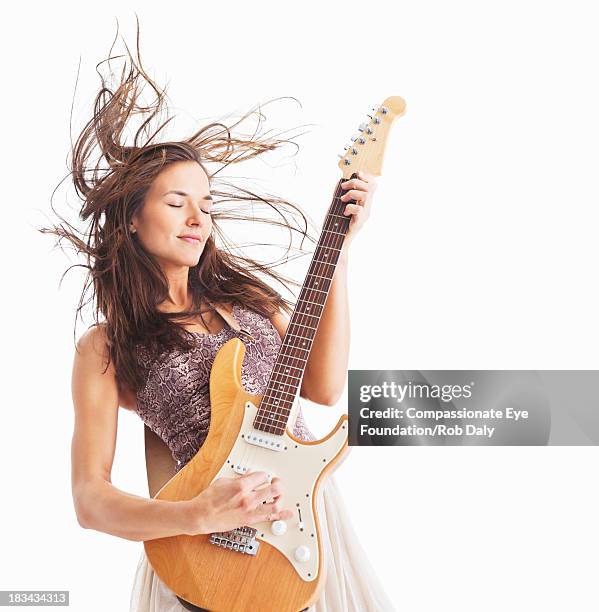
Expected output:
(350, 584)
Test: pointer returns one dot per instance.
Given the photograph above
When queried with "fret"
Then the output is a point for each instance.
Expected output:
(279, 410)
(283, 355)
(318, 276)
(303, 316)
(300, 337)
(339, 216)
(333, 222)
(294, 356)
(281, 421)
(262, 420)
(328, 227)
(309, 302)
(279, 398)
(323, 246)
(272, 406)
(276, 410)
(301, 325)
(313, 285)
(312, 289)
(263, 426)
(332, 232)
(278, 382)
(300, 360)
(290, 337)
(299, 348)
(334, 255)
(287, 375)
(328, 263)
(277, 431)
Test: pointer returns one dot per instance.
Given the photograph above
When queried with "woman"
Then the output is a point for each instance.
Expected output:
(172, 292)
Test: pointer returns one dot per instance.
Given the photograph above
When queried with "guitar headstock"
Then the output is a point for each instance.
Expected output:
(368, 147)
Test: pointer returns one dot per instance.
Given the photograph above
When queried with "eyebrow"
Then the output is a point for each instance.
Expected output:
(182, 193)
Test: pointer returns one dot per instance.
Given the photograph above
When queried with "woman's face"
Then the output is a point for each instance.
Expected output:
(177, 204)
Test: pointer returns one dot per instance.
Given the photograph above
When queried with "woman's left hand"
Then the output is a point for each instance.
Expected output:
(361, 190)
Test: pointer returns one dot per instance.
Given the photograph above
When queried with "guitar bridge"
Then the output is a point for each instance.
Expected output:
(242, 540)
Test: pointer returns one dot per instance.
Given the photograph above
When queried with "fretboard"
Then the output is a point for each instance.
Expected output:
(286, 377)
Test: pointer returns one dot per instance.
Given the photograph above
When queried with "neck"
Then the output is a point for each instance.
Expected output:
(179, 297)
(285, 380)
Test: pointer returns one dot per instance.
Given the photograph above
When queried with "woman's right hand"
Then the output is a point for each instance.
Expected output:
(229, 503)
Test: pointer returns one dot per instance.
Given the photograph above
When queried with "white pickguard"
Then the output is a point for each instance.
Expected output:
(299, 466)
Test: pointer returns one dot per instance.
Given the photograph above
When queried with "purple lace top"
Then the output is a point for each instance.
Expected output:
(175, 400)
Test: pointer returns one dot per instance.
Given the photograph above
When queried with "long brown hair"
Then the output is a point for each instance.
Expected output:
(125, 281)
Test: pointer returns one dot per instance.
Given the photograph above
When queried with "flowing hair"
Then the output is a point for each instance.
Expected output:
(111, 180)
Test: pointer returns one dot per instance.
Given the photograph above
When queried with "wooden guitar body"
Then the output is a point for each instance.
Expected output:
(272, 576)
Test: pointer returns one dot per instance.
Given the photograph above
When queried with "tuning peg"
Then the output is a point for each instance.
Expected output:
(364, 128)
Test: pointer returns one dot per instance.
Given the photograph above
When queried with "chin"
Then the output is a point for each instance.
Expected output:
(191, 261)
(182, 261)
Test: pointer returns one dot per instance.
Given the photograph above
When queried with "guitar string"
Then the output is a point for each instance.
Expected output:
(316, 268)
(274, 395)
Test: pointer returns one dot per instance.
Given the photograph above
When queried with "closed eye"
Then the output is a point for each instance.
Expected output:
(207, 212)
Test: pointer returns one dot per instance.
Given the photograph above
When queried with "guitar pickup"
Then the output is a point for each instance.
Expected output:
(259, 438)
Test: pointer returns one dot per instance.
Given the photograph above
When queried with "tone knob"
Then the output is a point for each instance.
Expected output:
(302, 554)
(278, 527)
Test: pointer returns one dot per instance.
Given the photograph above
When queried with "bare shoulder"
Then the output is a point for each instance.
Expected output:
(92, 346)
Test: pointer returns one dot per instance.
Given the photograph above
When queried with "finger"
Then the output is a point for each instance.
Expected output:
(353, 194)
(268, 494)
(356, 183)
(353, 209)
(253, 480)
(272, 512)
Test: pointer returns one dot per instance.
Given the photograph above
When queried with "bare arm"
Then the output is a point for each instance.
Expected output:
(227, 503)
(98, 503)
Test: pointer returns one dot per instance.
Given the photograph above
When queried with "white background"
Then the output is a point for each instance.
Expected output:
(480, 253)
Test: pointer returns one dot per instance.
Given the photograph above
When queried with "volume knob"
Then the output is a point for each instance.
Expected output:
(302, 554)
(278, 527)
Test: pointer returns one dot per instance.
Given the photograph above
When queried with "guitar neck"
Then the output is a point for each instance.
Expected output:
(286, 378)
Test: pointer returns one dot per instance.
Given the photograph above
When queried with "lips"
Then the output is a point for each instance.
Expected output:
(190, 239)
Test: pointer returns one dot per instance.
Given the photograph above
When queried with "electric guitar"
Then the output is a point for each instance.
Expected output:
(269, 566)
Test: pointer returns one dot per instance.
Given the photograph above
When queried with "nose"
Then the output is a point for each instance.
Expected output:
(198, 217)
